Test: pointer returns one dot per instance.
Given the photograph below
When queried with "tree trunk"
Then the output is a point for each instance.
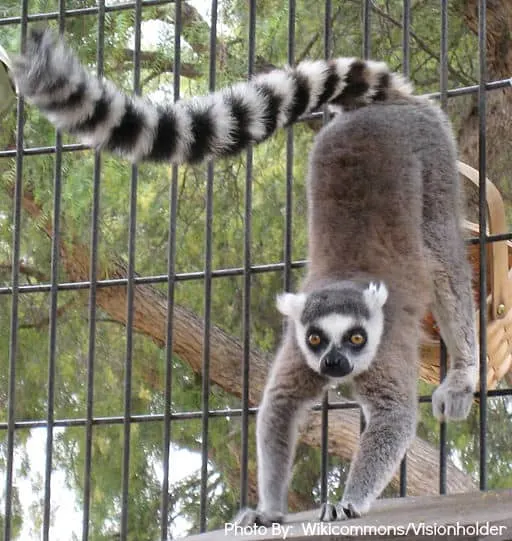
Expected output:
(499, 102)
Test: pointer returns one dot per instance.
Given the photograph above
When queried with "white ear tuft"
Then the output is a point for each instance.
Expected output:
(376, 294)
(291, 304)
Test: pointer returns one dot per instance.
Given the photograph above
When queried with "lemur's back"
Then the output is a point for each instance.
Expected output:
(370, 171)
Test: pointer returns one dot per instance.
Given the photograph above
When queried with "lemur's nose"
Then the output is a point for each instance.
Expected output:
(335, 364)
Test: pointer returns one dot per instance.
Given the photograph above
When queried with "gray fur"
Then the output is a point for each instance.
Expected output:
(384, 206)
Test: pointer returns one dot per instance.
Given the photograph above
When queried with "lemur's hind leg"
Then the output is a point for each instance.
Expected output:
(388, 397)
(290, 388)
(454, 310)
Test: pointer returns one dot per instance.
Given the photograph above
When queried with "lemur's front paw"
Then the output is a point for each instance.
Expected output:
(341, 511)
(248, 517)
(453, 398)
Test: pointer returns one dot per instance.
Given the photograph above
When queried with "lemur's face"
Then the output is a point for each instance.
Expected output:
(338, 329)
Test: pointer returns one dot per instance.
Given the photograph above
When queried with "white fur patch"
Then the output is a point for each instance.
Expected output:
(224, 125)
(342, 68)
(255, 103)
(375, 295)
(402, 85)
(184, 137)
(282, 86)
(336, 325)
(291, 304)
(374, 71)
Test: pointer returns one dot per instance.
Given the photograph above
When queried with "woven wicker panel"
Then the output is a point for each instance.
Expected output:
(499, 328)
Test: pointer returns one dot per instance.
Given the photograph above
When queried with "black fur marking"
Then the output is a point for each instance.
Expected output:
(382, 87)
(331, 82)
(346, 301)
(164, 144)
(203, 132)
(71, 102)
(300, 98)
(100, 113)
(51, 87)
(272, 107)
(35, 36)
(125, 135)
(357, 85)
(240, 136)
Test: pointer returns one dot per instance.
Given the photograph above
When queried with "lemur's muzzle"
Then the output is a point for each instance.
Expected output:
(334, 364)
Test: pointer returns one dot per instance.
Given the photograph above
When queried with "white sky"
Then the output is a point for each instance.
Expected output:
(67, 516)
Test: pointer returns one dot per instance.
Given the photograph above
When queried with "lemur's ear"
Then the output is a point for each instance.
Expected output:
(376, 295)
(291, 304)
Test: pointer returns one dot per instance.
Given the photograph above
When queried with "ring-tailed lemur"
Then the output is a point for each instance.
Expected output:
(384, 241)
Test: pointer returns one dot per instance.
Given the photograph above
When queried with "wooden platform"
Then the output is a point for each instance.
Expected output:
(474, 516)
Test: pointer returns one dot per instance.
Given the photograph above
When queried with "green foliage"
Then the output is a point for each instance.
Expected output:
(267, 242)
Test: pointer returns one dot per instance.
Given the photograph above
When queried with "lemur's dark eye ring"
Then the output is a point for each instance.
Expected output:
(314, 339)
(357, 339)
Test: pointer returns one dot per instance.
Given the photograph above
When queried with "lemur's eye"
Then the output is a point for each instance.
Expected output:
(314, 339)
(357, 339)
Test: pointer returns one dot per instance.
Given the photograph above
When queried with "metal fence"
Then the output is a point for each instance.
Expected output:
(14, 290)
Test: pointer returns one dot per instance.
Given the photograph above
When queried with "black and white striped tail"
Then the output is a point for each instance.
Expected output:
(192, 129)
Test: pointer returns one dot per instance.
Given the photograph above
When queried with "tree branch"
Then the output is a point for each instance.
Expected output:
(423, 45)
(27, 270)
(44, 322)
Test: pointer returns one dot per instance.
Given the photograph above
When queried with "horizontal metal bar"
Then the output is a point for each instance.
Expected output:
(198, 275)
(493, 85)
(38, 151)
(156, 279)
(190, 415)
(52, 15)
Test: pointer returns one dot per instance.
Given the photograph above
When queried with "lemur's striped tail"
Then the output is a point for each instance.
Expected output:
(192, 129)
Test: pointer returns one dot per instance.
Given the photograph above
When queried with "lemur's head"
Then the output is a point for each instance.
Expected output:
(338, 328)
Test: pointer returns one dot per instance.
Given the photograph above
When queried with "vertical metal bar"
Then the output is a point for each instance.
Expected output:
(13, 334)
(52, 342)
(325, 402)
(366, 54)
(207, 291)
(403, 477)
(406, 36)
(247, 282)
(482, 110)
(367, 26)
(130, 289)
(93, 276)
(289, 162)
(171, 271)
(443, 447)
(443, 72)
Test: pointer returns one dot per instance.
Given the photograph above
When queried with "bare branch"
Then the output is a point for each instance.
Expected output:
(461, 78)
